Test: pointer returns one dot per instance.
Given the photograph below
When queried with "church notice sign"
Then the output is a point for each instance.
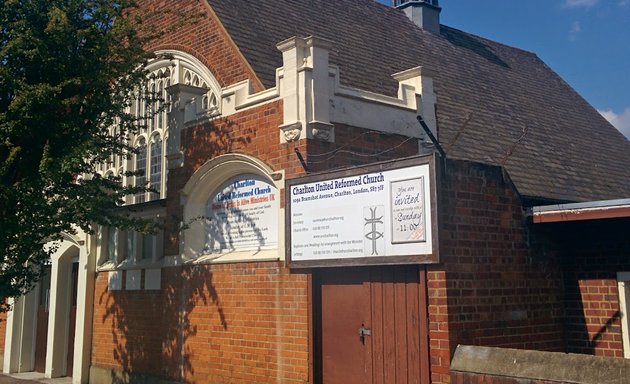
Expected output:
(381, 214)
(242, 215)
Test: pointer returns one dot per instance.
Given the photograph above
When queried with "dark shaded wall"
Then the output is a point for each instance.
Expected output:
(487, 290)
(591, 252)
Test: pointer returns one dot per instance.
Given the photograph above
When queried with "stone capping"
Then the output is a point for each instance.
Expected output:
(549, 366)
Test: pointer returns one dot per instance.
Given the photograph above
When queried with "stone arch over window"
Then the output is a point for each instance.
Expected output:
(176, 67)
(244, 193)
(151, 107)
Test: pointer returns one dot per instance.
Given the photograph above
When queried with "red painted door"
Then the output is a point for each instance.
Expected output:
(41, 335)
(345, 308)
(369, 325)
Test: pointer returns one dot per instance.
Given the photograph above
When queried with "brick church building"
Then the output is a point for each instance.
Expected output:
(525, 235)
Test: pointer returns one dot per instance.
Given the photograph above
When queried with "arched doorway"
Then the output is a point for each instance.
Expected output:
(56, 314)
(42, 325)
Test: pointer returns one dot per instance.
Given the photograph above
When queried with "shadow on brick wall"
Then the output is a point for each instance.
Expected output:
(591, 252)
(151, 328)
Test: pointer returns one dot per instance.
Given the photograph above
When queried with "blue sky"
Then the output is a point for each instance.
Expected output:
(587, 42)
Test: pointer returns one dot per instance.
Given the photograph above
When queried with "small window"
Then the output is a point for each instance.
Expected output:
(139, 111)
(151, 102)
(148, 246)
(156, 167)
(143, 247)
(141, 169)
(132, 245)
(112, 245)
(159, 112)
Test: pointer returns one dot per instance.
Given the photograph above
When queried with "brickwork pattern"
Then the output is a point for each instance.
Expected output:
(228, 323)
(253, 132)
(355, 146)
(192, 27)
(591, 253)
(487, 291)
(248, 322)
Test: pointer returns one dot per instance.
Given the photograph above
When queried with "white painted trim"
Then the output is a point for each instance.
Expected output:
(19, 352)
(194, 199)
(21, 321)
(85, 312)
(152, 279)
(238, 97)
(59, 312)
(314, 99)
(114, 280)
(133, 279)
(8, 338)
(623, 283)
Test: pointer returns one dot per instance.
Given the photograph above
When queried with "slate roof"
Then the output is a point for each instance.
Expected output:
(495, 104)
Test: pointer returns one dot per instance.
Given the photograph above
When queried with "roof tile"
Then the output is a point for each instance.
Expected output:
(496, 104)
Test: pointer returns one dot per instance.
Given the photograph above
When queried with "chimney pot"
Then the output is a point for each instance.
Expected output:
(424, 13)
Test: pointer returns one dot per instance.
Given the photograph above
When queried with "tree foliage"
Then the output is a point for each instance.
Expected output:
(68, 71)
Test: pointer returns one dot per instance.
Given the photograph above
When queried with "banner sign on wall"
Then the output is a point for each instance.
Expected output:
(242, 215)
(382, 214)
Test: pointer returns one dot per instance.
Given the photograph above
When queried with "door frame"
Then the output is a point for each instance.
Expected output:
(20, 343)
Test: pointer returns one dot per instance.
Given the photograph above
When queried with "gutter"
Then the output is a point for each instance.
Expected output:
(591, 210)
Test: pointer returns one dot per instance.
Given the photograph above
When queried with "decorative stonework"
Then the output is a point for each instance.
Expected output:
(291, 132)
(175, 160)
(322, 131)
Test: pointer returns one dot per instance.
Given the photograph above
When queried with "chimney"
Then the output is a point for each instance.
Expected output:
(425, 13)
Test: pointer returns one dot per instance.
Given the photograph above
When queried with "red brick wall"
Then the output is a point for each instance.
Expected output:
(192, 27)
(228, 323)
(3, 331)
(487, 291)
(253, 132)
(356, 146)
(591, 253)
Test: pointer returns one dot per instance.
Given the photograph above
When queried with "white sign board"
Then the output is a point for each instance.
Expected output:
(373, 214)
(242, 215)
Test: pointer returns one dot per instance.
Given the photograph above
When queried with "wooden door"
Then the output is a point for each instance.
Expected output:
(72, 317)
(345, 307)
(370, 325)
(41, 335)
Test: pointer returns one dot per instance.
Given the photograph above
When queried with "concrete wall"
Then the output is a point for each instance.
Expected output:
(482, 365)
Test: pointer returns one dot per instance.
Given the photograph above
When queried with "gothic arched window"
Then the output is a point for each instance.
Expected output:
(141, 168)
(155, 171)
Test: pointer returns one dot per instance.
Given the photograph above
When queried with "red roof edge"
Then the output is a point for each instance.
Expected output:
(591, 210)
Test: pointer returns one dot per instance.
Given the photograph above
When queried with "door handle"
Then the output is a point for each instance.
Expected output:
(363, 331)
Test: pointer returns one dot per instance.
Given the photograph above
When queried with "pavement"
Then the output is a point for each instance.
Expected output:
(32, 377)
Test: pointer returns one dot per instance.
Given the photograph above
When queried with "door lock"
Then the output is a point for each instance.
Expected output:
(363, 331)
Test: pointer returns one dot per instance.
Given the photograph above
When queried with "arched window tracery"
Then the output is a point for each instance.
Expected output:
(141, 169)
(155, 170)
(150, 107)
